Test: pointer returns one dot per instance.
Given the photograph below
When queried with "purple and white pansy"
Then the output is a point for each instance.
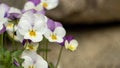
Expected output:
(70, 43)
(33, 60)
(32, 26)
(55, 31)
(45, 4)
(3, 17)
(29, 26)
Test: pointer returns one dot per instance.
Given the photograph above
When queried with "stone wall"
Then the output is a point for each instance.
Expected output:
(79, 11)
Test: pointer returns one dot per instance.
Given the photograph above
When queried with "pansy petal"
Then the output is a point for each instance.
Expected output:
(58, 24)
(4, 8)
(51, 24)
(60, 39)
(74, 42)
(29, 53)
(40, 24)
(51, 4)
(36, 38)
(38, 7)
(14, 10)
(66, 44)
(2, 29)
(25, 23)
(27, 62)
(60, 32)
(48, 33)
(13, 13)
(29, 5)
(41, 62)
(19, 36)
(36, 2)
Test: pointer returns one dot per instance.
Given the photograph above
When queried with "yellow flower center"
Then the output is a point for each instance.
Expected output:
(32, 66)
(53, 36)
(10, 25)
(32, 33)
(71, 47)
(30, 47)
(45, 5)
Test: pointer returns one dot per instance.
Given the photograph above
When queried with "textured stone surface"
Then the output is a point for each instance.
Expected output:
(88, 11)
(98, 48)
(79, 11)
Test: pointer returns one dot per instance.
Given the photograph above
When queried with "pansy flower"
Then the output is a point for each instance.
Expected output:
(49, 4)
(32, 26)
(33, 60)
(46, 4)
(33, 6)
(70, 43)
(29, 45)
(14, 13)
(55, 31)
(3, 19)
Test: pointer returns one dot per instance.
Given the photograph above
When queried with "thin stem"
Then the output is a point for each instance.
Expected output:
(13, 41)
(1, 41)
(59, 57)
(46, 50)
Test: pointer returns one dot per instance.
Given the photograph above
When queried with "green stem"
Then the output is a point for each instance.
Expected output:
(59, 57)
(46, 50)
(13, 41)
(1, 41)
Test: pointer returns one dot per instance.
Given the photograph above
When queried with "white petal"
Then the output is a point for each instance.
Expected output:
(48, 34)
(27, 62)
(38, 7)
(41, 63)
(29, 5)
(59, 39)
(36, 38)
(14, 10)
(40, 23)
(4, 10)
(30, 53)
(19, 36)
(25, 23)
(66, 44)
(60, 32)
(51, 4)
(74, 43)
(1, 26)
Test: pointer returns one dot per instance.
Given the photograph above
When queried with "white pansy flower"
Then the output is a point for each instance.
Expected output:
(70, 43)
(32, 26)
(3, 19)
(49, 4)
(55, 31)
(33, 60)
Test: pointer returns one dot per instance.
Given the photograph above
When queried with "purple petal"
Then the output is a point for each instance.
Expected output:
(43, 11)
(58, 24)
(69, 38)
(62, 43)
(16, 63)
(13, 16)
(51, 24)
(36, 2)
(31, 10)
(26, 40)
(6, 8)
(3, 29)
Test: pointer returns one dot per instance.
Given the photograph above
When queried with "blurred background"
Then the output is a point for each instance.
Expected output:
(95, 24)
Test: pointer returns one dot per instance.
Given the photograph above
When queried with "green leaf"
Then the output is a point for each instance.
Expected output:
(51, 65)
(17, 53)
